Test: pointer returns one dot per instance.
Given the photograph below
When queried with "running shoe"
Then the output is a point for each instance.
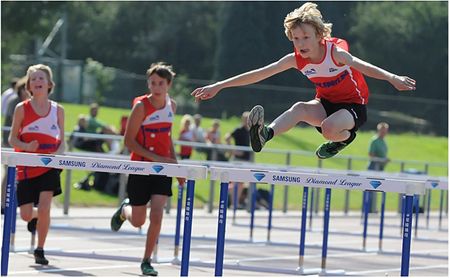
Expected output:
(31, 226)
(329, 149)
(147, 269)
(117, 219)
(39, 257)
(258, 131)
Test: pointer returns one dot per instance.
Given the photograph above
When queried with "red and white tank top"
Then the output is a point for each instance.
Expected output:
(155, 131)
(337, 84)
(45, 130)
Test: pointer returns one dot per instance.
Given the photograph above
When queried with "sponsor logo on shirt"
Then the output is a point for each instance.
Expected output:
(33, 128)
(310, 72)
(332, 69)
(53, 127)
(154, 118)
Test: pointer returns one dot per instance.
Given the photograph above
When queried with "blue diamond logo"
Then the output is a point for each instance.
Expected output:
(375, 184)
(434, 184)
(46, 160)
(259, 176)
(157, 168)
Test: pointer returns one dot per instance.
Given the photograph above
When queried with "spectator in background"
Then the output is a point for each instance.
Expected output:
(8, 94)
(96, 126)
(213, 137)
(378, 148)
(241, 137)
(186, 134)
(199, 133)
(20, 94)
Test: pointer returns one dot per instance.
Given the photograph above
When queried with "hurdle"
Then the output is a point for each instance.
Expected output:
(226, 175)
(12, 159)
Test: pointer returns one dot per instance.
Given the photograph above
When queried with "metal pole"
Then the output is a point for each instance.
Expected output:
(301, 257)
(366, 214)
(68, 189)
(441, 205)
(252, 209)
(406, 246)
(416, 208)
(326, 221)
(235, 201)
(383, 206)
(347, 192)
(269, 221)
(222, 223)
(10, 195)
(286, 188)
(188, 215)
(178, 224)
(428, 207)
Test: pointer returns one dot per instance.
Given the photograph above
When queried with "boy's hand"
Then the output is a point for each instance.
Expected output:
(204, 93)
(32, 146)
(403, 83)
(181, 181)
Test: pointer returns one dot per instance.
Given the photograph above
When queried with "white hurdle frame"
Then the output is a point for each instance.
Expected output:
(328, 181)
(12, 159)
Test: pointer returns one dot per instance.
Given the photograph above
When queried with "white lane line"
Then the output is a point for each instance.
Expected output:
(86, 238)
(351, 254)
(359, 273)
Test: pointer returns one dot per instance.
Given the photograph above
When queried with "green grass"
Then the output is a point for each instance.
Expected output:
(408, 146)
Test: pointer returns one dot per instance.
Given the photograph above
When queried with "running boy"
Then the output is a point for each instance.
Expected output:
(38, 127)
(148, 137)
(339, 107)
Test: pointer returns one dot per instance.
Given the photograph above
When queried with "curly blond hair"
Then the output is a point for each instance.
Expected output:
(309, 14)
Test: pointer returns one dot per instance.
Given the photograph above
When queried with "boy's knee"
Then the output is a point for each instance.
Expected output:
(137, 221)
(26, 215)
(299, 106)
(329, 130)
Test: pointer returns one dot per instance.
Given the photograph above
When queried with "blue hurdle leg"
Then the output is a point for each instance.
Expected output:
(235, 201)
(406, 246)
(13, 222)
(252, 210)
(222, 223)
(178, 224)
(366, 206)
(403, 212)
(383, 206)
(326, 221)
(303, 229)
(188, 215)
(269, 222)
(441, 206)
(311, 209)
(10, 196)
(416, 207)
(428, 208)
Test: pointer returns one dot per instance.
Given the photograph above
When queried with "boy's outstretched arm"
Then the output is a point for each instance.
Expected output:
(247, 78)
(401, 83)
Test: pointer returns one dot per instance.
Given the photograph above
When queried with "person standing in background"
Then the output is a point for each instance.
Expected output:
(8, 94)
(378, 149)
(186, 134)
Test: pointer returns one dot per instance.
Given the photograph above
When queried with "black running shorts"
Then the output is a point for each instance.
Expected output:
(28, 190)
(140, 188)
(358, 111)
